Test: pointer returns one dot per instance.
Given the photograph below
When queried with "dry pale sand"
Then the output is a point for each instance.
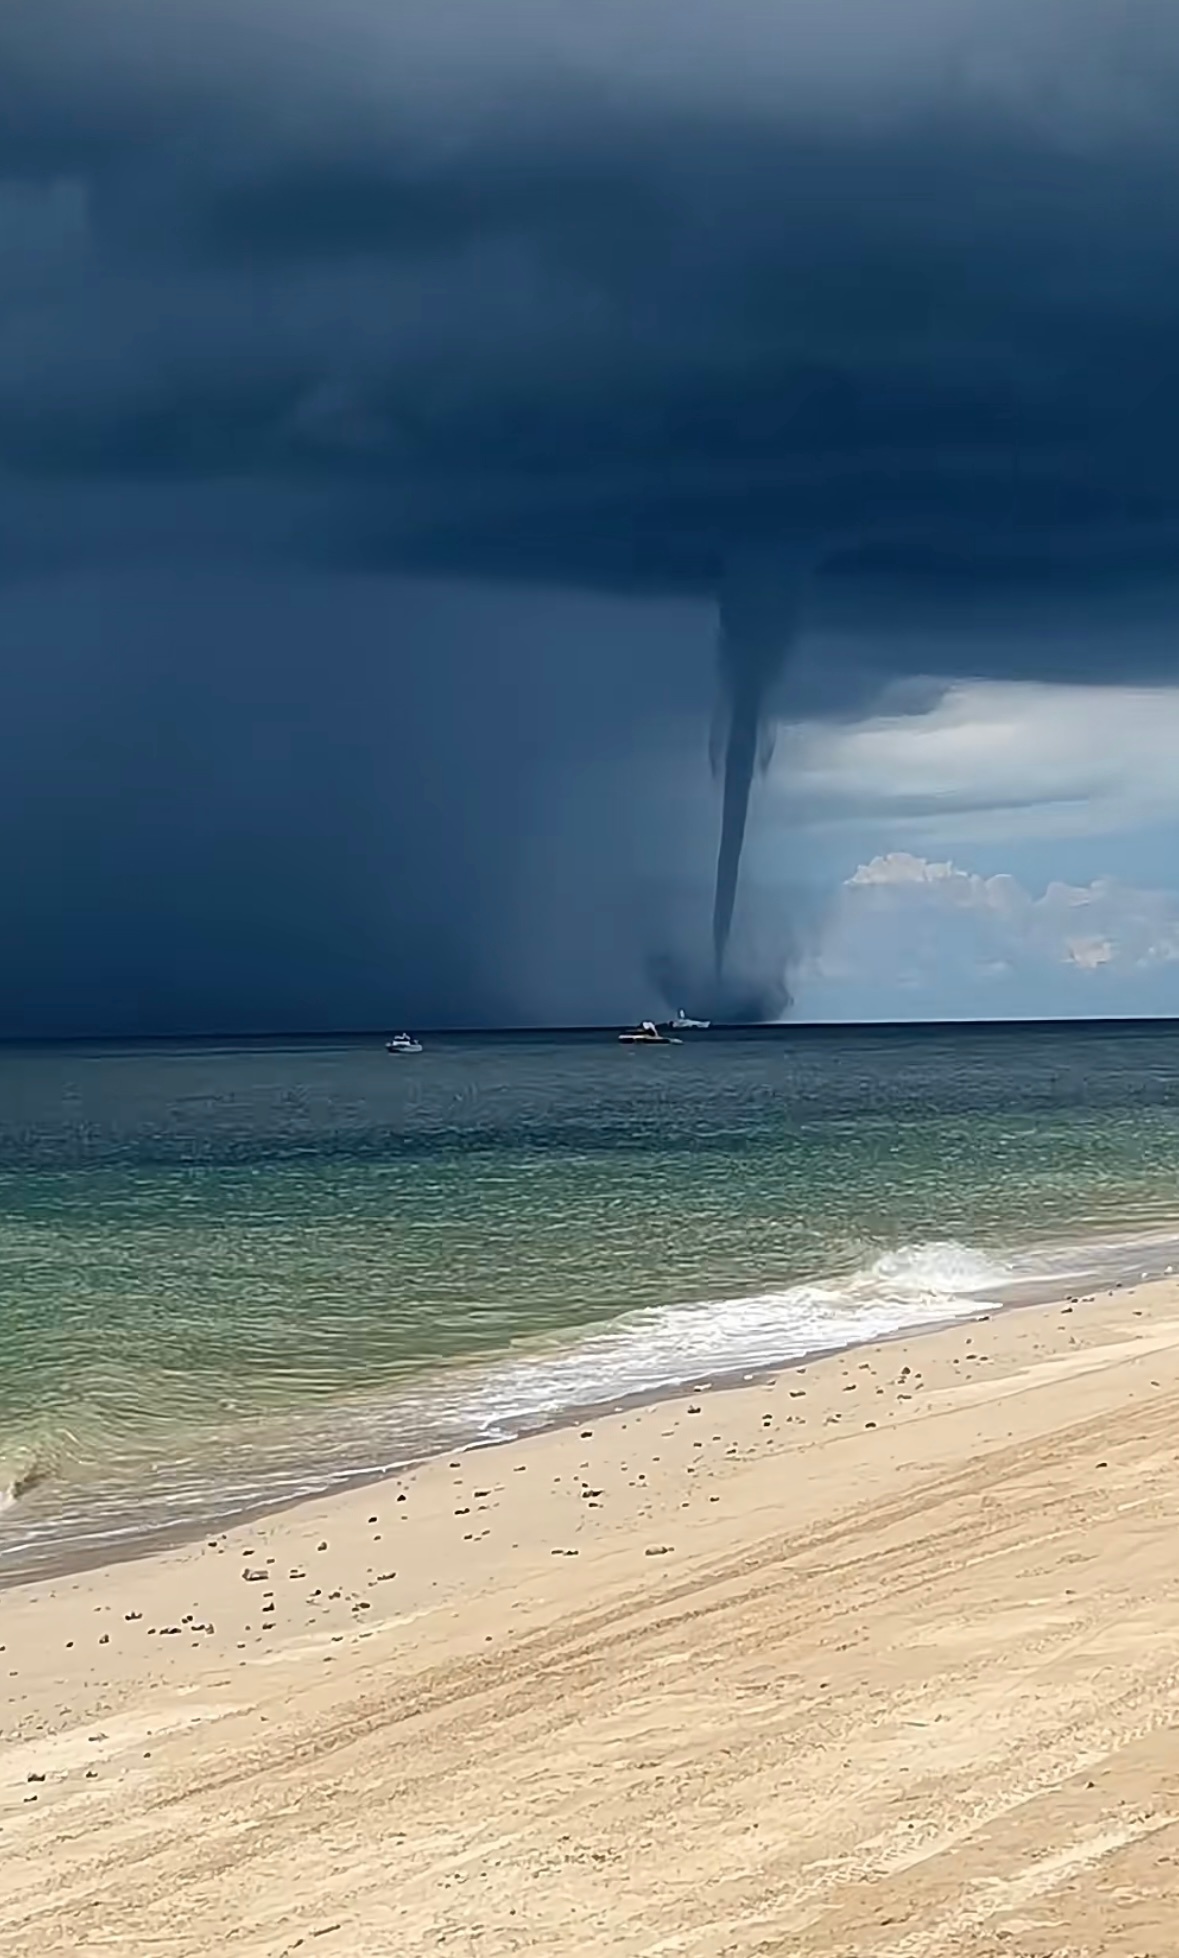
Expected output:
(879, 1657)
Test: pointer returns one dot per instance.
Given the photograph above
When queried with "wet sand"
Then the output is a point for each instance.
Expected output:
(880, 1656)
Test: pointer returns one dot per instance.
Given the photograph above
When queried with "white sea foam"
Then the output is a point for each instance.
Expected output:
(675, 1345)
(476, 1402)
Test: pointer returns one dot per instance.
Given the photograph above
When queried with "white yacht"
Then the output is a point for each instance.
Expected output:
(682, 1023)
(403, 1043)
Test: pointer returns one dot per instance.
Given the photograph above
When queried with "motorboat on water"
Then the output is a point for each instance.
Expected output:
(403, 1043)
(683, 1023)
(646, 1034)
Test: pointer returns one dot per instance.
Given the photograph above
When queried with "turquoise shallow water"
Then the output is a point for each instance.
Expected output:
(230, 1275)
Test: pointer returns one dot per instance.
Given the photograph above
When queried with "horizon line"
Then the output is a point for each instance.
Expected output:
(756, 1029)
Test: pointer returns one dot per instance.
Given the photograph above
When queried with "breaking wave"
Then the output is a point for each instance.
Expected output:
(58, 1510)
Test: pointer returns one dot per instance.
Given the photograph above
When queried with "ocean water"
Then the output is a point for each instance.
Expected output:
(230, 1275)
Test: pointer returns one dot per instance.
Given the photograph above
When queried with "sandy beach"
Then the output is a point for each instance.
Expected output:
(880, 1656)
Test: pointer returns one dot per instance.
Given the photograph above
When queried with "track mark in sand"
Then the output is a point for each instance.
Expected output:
(60, 1754)
(990, 1897)
(992, 1628)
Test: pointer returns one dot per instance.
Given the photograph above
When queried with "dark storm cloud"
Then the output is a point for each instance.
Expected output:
(579, 300)
(596, 301)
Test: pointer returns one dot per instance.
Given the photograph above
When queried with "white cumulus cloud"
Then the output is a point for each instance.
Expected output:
(905, 926)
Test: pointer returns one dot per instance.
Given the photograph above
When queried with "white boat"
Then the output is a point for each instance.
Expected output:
(647, 1034)
(403, 1043)
(682, 1023)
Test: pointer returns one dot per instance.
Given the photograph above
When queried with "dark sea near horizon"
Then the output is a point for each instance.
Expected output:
(232, 1274)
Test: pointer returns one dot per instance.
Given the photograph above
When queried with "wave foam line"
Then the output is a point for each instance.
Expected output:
(675, 1345)
(259, 1463)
